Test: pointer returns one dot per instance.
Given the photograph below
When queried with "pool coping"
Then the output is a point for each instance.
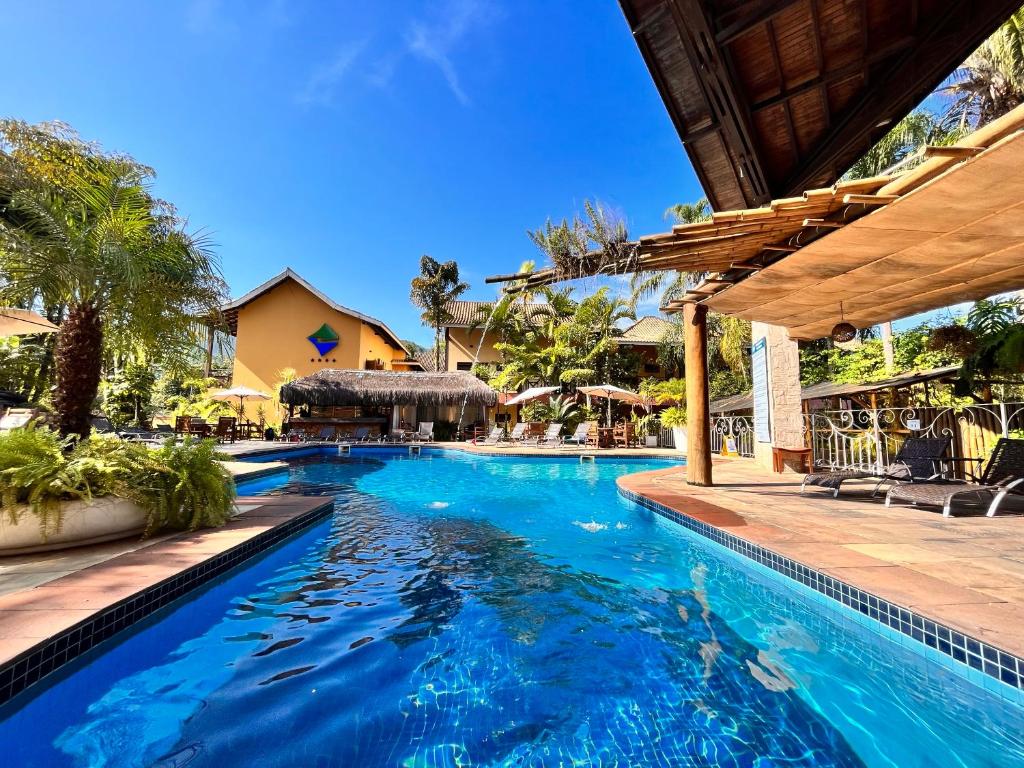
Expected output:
(202, 555)
(980, 662)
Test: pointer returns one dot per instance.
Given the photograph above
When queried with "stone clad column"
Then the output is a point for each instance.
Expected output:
(785, 417)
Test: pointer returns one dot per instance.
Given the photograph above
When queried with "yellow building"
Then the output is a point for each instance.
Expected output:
(286, 323)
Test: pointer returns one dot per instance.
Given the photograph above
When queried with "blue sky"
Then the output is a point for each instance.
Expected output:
(345, 139)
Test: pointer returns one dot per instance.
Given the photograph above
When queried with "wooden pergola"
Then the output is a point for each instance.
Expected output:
(949, 230)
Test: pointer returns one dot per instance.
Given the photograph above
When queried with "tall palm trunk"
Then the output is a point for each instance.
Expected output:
(77, 364)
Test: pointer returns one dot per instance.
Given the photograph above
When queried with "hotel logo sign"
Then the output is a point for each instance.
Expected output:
(324, 339)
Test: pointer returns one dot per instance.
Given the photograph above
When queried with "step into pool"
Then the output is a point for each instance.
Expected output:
(467, 610)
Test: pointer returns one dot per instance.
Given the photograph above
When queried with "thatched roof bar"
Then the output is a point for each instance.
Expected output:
(333, 386)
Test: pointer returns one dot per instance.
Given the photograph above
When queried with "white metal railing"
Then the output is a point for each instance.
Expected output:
(738, 429)
(869, 438)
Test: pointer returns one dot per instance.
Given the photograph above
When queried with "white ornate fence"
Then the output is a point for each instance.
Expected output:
(739, 428)
(868, 439)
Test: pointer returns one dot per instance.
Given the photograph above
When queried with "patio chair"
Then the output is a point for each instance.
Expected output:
(518, 433)
(551, 437)
(15, 418)
(494, 437)
(916, 460)
(625, 434)
(225, 429)
(425, 433)
(361, 435)
(1003, 472)
(398, 436)
(182, 425)
(579, 437)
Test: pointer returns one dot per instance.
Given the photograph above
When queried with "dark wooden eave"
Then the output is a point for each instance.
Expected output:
(772, 97)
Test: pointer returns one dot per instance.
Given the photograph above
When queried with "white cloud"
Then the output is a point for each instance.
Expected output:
(434, 41)
(323, 83)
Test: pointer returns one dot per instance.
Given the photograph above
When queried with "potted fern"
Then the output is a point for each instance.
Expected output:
(57, 493)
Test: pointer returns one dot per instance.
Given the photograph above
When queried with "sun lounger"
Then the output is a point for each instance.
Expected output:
(518, 433)
(916, 460)
(425, 433)
(579, 437)
(494, 437)
(551, 437)
(1004, 472)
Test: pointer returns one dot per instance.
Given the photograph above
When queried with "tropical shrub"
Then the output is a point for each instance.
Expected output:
(674, 416)
(445, 430)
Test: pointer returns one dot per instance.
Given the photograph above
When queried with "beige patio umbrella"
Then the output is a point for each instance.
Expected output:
(531, 394)
(23, 322)
(241, 393)
(611, 392)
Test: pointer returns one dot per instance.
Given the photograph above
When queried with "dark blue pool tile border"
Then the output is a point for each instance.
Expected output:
(973, 653)
(34, 664)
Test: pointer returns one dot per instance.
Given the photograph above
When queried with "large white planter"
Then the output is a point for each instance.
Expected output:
(85, 522)
(679, 438)
(651, 441)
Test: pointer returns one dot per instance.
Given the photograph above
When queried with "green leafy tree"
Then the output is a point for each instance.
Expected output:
(90, 237)
(433, 289)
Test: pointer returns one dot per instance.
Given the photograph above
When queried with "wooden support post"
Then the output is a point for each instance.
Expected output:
(208, 364)
(698, 448)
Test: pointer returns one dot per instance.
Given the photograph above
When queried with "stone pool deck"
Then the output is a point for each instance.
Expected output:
(966, 572)
(61, 604)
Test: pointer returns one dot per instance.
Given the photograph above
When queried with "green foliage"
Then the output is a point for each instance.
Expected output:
(180, 486)
(646, 424)
(669, 391)
(673, 416)
(188, 396)
(561, 409)
(445, 431)
(183, 486)
(128, 396)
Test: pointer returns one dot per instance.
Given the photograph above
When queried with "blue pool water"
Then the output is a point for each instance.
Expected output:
(469, 610)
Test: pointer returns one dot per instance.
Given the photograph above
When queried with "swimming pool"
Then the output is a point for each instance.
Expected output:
(471, 610)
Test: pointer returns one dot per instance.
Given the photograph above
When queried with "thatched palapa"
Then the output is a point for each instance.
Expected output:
(333, 386)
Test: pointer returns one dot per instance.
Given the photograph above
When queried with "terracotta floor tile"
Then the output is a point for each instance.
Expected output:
(39, 624)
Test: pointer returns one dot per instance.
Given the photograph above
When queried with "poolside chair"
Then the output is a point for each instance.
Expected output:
(1003, 472)
(327, 435)
(16, 418)
(551, 437)
(518, 433)
(625, 434)
(398, 436)
(425, 433)
(494, 437)
(579, 437)
(225, 429)
(916, 460)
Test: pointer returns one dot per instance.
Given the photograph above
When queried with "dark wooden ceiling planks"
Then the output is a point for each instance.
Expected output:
(772, 97)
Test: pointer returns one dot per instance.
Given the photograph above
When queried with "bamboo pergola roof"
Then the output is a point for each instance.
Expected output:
(772, 97)
(946, 231)
(333, 386)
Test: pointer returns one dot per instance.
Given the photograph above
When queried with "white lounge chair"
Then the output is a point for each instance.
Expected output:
(494, 437)
(425, 433)
(518, 433)
(579, 437)
(552, 437)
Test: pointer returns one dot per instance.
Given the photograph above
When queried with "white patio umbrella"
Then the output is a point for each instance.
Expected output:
(611, 392)
(23, 322)
(241, 393)
(531, 394)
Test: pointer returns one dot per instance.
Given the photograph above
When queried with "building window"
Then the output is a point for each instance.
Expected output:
(374, 365)
(652, 368)
(464, 366)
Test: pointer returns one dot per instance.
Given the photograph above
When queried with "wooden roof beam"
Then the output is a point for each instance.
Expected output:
(752, 14)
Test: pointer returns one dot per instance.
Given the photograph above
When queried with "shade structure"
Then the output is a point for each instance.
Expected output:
(23, 322)
(241, 393)
(333, 386)
(611, 392)
(532, 393)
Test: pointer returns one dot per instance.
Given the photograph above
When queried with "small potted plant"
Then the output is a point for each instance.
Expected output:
(674, 418)
(647, 429)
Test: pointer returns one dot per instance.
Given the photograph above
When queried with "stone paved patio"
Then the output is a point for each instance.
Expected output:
(965, 571)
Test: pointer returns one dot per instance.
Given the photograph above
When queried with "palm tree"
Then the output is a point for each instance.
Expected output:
(991, 81)
(433, 290)
(101, 245)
